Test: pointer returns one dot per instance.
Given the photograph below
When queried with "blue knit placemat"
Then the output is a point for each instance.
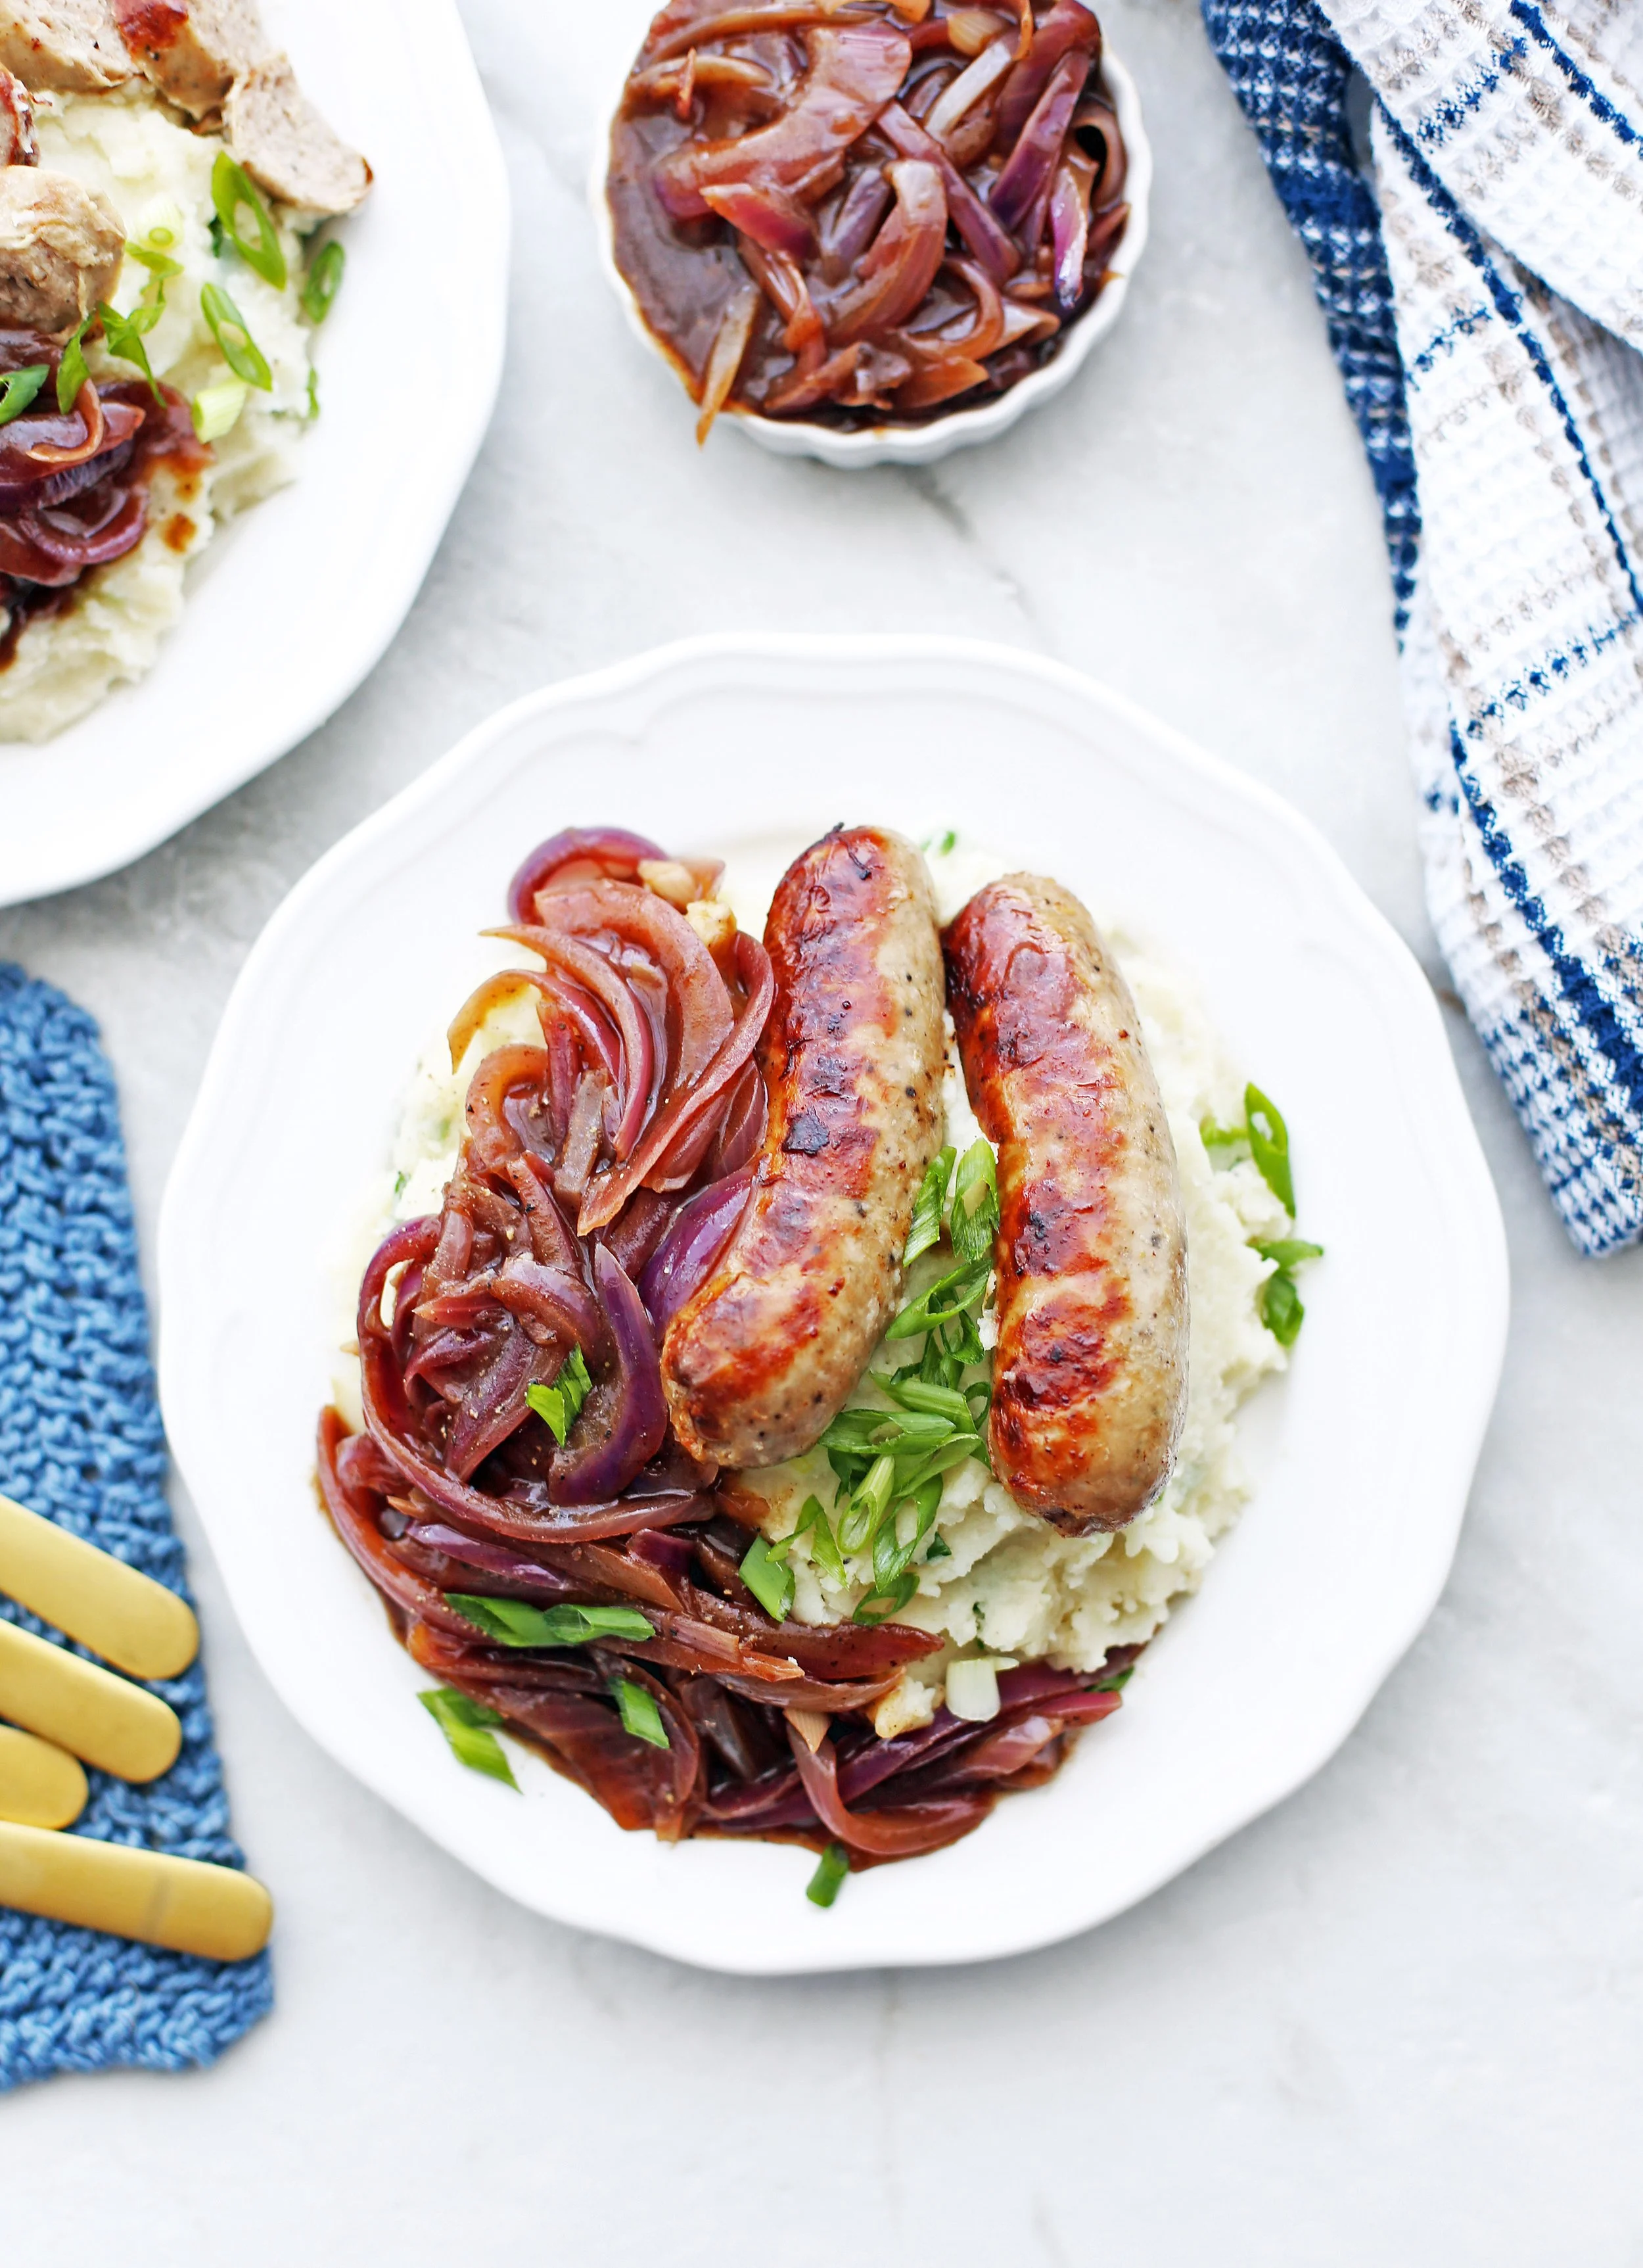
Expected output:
(81, 1442)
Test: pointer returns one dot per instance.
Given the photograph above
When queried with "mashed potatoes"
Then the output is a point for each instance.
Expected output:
(157, 175)
(1009, 1588)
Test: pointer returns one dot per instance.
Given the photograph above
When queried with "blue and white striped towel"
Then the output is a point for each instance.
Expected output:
(1484, 301)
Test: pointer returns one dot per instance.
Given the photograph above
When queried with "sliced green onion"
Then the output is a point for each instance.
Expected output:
(215, 411)
(513, 1621)
(1281, 1309)
(824, 1544)
(19, 388)
(1222, 1138)
(940, 1548)
(947, 843)
(831, 1869)
(884, 1605)
(1287, 1251)
(160, 265)
(314, 393)
(964, 1288)
(1119, 1680)
(934, 1401)
(975, 1204)
(1269, 1147)
(240, 351)
(466, 1725)
(867, 1505)
(324, 281)
(71, 370)
(557, 1405)
(639, 1713)
(233, 193)
(769, 1581)
(928, 1207)
(122, 334)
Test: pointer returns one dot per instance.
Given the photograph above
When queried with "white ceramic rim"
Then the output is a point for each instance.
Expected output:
(48, 845)
(963, 429)
(1450, 1277)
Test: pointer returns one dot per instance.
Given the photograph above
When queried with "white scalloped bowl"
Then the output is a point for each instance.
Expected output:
(1361, 1454)
(962, 429)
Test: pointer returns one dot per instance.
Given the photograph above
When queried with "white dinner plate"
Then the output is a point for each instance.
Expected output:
(1363, 1454)
(293, 602)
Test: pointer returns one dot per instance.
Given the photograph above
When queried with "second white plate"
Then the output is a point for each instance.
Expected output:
(294, 603)
(1364, 1452)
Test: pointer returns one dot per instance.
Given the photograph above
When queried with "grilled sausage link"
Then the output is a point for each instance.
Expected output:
(1090, 1373)
(758, 1363)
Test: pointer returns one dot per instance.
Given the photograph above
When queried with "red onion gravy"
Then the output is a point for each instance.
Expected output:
(563, 1229)
(859, 213)
(74, 486)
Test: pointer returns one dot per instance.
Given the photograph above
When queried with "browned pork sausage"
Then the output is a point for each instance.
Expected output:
(1089, 1373)
(757, 1364)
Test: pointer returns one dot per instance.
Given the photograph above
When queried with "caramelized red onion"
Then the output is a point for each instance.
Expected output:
(74, 485)
(792, 191)
(461, 1483)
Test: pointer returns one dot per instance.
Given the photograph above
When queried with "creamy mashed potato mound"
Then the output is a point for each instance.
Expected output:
(1012, 1588)
(157, 176)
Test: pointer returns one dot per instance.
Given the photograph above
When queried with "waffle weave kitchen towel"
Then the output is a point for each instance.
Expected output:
(80, 1442)
(1483, 285)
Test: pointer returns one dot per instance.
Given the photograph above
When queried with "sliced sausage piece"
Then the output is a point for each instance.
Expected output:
(17, 144)
(758, 1362)
(193, 50)
(65, 47)
(1090, 1373)
(285, 145)
(61, 247)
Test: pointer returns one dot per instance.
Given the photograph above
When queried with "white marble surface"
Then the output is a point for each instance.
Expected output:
(1398, 2019)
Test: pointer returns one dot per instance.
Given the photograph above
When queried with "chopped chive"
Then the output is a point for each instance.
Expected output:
(466, 1725)
(639, 1713)
(831, 1869)
(233, 193)
(19, 388)
(557, 1405)
(324, 281)
(514, 1622)
(769, 1581)
(240, 351)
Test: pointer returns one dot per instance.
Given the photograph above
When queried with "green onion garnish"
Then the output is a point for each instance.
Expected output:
(466, 1725)
(324, 281)
(1287, 1251)
(160, 265)
(71, 370)
(1281, 1308)
(240, 351)
(557, 1405)
(19, 388)
(940, 1548)
(233, 194)
(640, 1715)
(928, 1207)
(769, 1581)
(1119, 1680)
(513, 1621)
(215, 411)
(824, 1545)
(964, 1289)
(975, 1204)
(314, 393)
(1269, 1147)
(831, 1869)
(123, 336)
(883, 1604)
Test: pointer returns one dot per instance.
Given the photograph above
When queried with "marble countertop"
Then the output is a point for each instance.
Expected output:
(1396, 2020)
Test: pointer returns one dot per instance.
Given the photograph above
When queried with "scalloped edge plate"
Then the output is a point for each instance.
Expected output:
(295, 602)
(1362, 1455)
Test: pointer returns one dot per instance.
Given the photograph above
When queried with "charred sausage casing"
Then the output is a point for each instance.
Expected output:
(758, 1363)
(1090, 1373)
